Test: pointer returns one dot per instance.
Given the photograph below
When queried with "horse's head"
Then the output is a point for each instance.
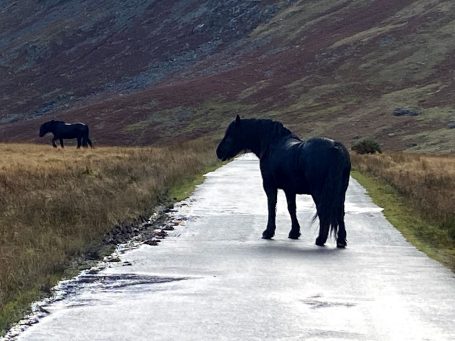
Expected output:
(232, 143)
(46, 128)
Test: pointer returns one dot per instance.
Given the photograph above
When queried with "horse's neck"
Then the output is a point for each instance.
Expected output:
(257, 147)
(259, 139)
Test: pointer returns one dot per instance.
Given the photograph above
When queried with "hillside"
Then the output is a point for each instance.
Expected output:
(142, 72)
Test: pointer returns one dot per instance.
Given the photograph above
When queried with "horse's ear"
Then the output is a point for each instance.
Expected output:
(237, 120)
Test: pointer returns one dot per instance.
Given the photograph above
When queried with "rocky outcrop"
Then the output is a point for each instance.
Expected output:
(405, 112)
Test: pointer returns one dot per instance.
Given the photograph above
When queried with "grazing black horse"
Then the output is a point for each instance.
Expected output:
(62, 130)
(319, 167)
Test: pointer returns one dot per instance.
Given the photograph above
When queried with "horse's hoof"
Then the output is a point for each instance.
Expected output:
(267, 235)
(294, 235)
(341, 244)
(319, 242)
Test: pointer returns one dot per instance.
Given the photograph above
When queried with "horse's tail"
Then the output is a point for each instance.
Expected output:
(85, 139)
(89, 142)
(331, 207)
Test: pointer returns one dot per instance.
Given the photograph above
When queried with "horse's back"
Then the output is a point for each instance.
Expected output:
(301, 166)
(72, 130)
(319, 156)
(319, 152)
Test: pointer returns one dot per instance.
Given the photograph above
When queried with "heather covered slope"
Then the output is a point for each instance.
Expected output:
(59, 52)
(152, 71)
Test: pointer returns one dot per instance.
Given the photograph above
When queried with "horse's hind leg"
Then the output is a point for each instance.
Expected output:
(79, 141)
(86, 142)
(341, 238)
(61, 143)
(271, 201)
(324, 224)
(323, 232)
(295, 230)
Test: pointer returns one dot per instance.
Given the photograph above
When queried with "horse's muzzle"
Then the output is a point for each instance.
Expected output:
(222, 158)
(219, 154)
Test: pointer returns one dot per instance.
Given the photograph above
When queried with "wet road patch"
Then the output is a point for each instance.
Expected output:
(317, 302)
(108, 282)
(70, 289)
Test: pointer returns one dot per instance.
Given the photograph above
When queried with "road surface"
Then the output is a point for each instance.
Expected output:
(216, 279)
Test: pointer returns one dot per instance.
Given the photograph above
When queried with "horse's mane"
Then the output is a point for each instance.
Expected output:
(266, 129)
(52, 122)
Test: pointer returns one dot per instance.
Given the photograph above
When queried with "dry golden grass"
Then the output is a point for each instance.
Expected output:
(56, 203)
(428, 182)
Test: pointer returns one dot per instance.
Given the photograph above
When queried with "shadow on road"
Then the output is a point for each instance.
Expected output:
(278, 247)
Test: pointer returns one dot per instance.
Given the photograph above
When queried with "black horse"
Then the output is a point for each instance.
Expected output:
(319, 167)
(62, 130)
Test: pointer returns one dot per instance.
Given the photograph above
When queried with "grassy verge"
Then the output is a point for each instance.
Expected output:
(185, 186)
(416, 193)
(57, 204)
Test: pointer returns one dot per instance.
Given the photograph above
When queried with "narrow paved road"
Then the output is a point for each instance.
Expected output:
(215, 279)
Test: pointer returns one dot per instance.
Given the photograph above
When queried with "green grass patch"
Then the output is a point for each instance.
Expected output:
(185, 187)
(16, 309)
(13, 311)
(423, 234)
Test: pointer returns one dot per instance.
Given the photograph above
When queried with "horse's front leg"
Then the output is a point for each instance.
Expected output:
(295, 230)
(79, 142)
(61, 142)
(53, 142)
(271, 201)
